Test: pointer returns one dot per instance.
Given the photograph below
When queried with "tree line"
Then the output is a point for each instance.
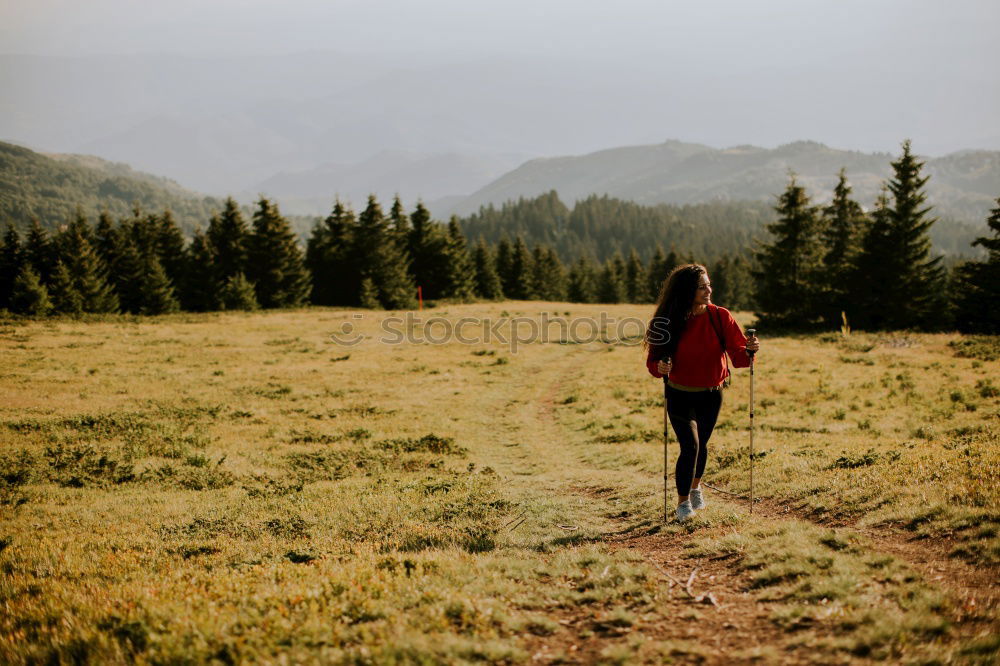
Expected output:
(143, 265)
(825, 265)
(600, 226)
(818, 265)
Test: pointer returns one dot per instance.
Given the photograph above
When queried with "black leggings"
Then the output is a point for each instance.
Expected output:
(692, 416)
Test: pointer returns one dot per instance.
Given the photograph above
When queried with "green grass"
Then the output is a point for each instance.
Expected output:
(192, 488)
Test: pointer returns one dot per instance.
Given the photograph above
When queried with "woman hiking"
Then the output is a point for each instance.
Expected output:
(688, 339)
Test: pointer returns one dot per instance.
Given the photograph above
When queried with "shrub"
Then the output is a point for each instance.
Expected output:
(427, 444)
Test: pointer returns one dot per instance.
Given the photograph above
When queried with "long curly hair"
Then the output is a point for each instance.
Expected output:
(672, 306)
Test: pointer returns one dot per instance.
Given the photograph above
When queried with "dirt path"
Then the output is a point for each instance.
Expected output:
(719, 617)
(712, 629)
(715, 617)
(974, 590)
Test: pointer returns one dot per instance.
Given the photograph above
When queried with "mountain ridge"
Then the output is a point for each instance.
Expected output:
(411, 175)
(963, 185)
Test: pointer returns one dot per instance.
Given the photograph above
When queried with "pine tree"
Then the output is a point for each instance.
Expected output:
(238, 293)
(719, 274)
(128, 273)
(157, 292)
(843, 229)
(228, 235)
(635, 279)
(275, 263)
(611, 286)
(673, 261)
(399, 223)
(978, 285)
(142, 230)
(549, 280)
(29, 296)
(428, 254)
(381, 260)
(86, 270)
(655, 275)
(39, 251)
(521, 271)
(117, 246)
(11, 264)
(732, 283)
(787, 267)
(461, 275)
(558, 277)
(582, 286)
(107, 241)
(662, 272)
(741, 287)
(199, 290)
(65, 297)
(924, 277)
(898, 284)
(329, 258)
(82, 225)
(505, 266)
(368, 294)
(487, 280)
(867, 292)
(170, 248)
(619, 264)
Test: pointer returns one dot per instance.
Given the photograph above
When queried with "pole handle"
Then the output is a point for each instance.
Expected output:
(750, 333)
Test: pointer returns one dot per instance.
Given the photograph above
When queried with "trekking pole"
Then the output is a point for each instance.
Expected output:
(751, 332)
(666, 437)
(664, 464)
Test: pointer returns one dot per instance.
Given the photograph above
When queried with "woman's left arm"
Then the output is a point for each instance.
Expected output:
(736, 342)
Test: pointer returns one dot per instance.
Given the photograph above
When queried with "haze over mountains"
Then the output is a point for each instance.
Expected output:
(304, 127)
(437, 179)
(228, 124)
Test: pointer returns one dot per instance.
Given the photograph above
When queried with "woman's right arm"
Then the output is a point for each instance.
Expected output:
(651, 365)
(658, 369)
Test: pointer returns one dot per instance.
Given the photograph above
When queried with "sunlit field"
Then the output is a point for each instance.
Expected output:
(239, 487)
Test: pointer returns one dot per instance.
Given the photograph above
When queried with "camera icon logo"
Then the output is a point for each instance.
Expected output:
(347, 336)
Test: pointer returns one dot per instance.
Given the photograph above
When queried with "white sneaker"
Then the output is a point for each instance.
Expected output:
(697, 499)
(684, 511)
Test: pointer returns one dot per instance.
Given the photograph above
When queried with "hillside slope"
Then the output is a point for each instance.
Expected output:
(50, 187)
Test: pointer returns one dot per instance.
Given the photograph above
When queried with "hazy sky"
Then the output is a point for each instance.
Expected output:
(927, 69)
(960, 33)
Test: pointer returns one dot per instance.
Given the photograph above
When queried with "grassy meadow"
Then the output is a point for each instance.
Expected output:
(236, 487)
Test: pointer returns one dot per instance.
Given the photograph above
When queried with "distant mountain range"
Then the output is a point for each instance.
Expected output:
(436, 179)
(963, 185)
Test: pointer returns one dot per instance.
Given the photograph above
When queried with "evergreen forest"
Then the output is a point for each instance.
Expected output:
(797, 264)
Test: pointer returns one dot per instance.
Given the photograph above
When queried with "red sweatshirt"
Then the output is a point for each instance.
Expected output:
(698, 360)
